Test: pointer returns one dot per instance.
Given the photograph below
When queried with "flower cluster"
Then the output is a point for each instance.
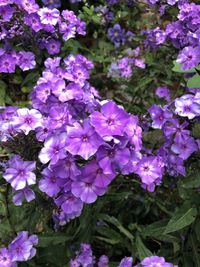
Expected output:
(19, 250)
(25, 23)
(183, 33)
(118, 35)
(85, 258)
(124, 67)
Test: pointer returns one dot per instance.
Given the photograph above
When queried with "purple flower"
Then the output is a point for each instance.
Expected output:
(174, 129)
(52, 3)
(20, 195)
(49, 182)
(67, 168)
(6, 12)
(20, 173)
(150, 169)
(53, 46)
(103, 261)
(69, 203)
(159, 116)
(113, 159)
(7, 63)
(21, 248)
(54, 149)
(186, 106)
(26, 60)
(117, 35)
(5, 260)
(111, 120)
(126, 262)
(86, 190)
(189, 57)
(134, 133)
(93, 171)
(49, 16)
(30, 6)
(84, 257)
(163, 92)
(155, 261)
(33, 21)
(184, 147)
(82, 140)
(26, 120)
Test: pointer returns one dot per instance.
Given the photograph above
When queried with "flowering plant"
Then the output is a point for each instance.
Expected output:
(77, 165)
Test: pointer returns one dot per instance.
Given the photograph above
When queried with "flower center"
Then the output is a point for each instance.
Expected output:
(85, 138)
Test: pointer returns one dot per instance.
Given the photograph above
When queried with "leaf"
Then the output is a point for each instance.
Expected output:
(53, 239)
(115, 222)
(143, 251)
(155, 229)
(2, 93)
(182, 218)
(194, 82)
(193, 181)
(177, 68)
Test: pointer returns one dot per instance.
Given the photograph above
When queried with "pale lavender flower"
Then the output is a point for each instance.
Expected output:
(49, 16)
(5, 259)
(20, 173)
(26, 120)
(186, 106)
(54, 149)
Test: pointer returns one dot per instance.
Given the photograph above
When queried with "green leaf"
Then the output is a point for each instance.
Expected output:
(2, 93)
(143, 251)
(182, 218)
(177, 68)
(115, 222)
(194, 82)
(53, 239)
(193, 181)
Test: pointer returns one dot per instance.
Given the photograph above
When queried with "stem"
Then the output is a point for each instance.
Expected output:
(196, 255)
(8, 211)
